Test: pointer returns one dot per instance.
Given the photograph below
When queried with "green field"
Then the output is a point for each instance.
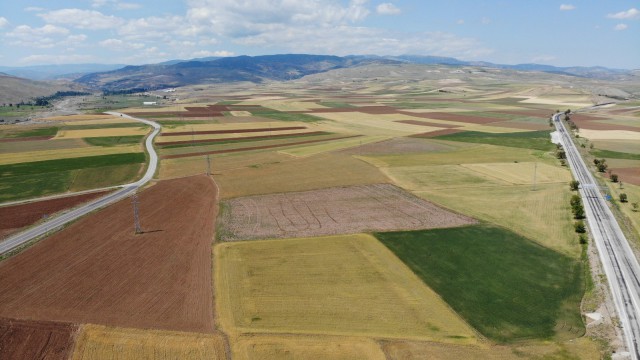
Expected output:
(44, 131)
(504, 285)
(222, 141)
(105, 126)
(607, 154)
(40, 178)
(539, 140)
(284, 116)
(109, 141)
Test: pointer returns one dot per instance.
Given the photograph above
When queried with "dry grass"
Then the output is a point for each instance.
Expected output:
(79, 117)
(340, 285)
(582, 348)
(610, 134)
(74, 134)
(378, 124)
(301, 174)
(112, 120)
(627, 146)
(101, 342)
(229, 126)
(270, 347)
(172, 168)
(308, 150)
(29, 156)
(197, 136)
(240, 113)
(522, 173)
(37, 145)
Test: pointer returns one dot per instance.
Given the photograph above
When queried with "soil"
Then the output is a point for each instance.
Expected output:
(261, 137)
(13, 218)
(98, 271)
(254, 148)
(21, 339)
(343, 210)
(586, 122)
(628, 175)
(424, 123)
(437, 133)
(233, 131)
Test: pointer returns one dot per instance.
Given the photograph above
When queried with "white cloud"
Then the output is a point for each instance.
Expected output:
(82, 19)
(567, 7)
(632, 13)
(207, 53)
(3, 22)
(620, 27)
(127, 6)
(56, 59)
(119, 45)
(387, 9)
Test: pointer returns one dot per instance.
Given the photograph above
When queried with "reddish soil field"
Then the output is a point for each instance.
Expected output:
(97, 271)
(233, 131)
(343, 210)
(529, 113)
(262, 137)
(254, 147)
(628, 175)
(13, 218)
(587, 122)
(400, 145)
(457, 117)
(33, 138)
(437, 133)
(44, 340)
(424, 123)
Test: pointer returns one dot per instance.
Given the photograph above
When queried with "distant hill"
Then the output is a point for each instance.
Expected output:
(14, 89)
(52, 72)
(229, 69)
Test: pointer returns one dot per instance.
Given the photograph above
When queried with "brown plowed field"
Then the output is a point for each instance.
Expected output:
(628, 175)
(234, 131)
(254, 148)
(97, 271)
(424, 123)
(261, 137)
(588, 122)
(458, 117)
(42, 340)
(12, 218)
(542, 113)
(343, 210)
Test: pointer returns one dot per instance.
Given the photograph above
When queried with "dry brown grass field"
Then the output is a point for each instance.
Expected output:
(339, 210)
(102, 342)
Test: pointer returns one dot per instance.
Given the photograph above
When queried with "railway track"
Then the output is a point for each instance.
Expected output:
(619, 262)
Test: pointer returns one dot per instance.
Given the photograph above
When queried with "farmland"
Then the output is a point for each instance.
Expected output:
(20, 339)
(339, 285)
(513, 288)
(343, 210)
(102, 342)
(98, 271)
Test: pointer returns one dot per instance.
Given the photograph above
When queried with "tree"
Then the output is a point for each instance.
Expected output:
(613, 177)
(574, 185)
(623, 197)
(583, 239)
(602, 167)
(560, 154)
(578, 212)
(579, 227)
(575, 200)
(596, 161)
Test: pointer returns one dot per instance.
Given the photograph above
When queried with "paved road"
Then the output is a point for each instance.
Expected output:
(620, 264)
(18, 239)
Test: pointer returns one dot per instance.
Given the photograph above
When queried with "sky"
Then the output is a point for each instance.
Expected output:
(560, 33)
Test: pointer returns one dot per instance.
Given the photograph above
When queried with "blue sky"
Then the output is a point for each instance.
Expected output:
(562, 33)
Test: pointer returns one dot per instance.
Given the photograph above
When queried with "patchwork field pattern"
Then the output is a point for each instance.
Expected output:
(339, 285)
(101, 342)
(273, 347)
(21, 339)
(342, 210)
(98, 271)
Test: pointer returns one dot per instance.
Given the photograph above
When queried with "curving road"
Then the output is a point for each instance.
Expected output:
(619, 262)
(16, 240)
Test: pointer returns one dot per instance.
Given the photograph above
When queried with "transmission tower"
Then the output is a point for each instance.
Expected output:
(136, 215)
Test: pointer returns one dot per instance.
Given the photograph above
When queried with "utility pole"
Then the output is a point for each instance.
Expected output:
(136, 215)
(208, 164)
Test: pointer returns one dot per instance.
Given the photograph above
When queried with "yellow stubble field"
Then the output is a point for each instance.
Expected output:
(337, 285)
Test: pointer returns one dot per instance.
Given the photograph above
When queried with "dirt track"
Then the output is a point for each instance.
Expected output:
(12, 218)
(35, 339)
(97, 271)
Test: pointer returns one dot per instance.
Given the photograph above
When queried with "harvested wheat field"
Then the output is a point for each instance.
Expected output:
(272, 347)
(339, 210)
(522, 172)
(401, 145)
(45, 340)
(97, 271)
(582, 348)
(14, 217)
(339, 285)
(101, 342)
